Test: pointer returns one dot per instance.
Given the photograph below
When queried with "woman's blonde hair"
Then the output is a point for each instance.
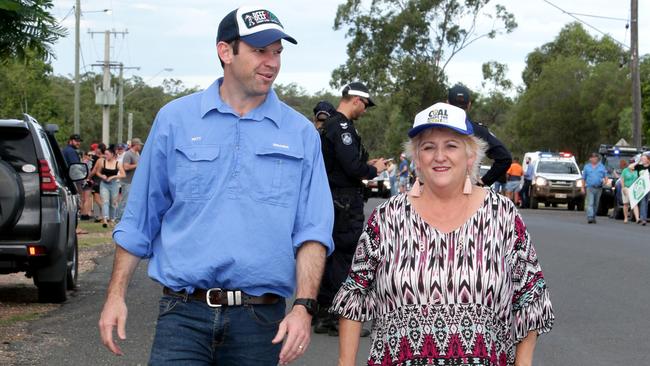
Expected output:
(474, 147)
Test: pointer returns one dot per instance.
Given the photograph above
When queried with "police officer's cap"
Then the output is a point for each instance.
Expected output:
(358, 89)
(459, 96)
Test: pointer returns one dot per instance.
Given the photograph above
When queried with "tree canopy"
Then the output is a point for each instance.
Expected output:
(27, 26)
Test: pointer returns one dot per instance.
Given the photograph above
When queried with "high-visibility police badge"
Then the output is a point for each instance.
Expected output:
(346, 138)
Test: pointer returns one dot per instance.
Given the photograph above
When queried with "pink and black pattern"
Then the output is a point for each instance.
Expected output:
(459, 298)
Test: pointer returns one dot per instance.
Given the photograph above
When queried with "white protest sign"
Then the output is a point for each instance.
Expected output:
(639, 188)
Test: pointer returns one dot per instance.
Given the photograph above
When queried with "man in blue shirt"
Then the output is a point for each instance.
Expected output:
(70, 154)
(594, 175)
(230, 204)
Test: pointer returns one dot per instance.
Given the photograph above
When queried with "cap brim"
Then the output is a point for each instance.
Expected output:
(371, 103)
(416, 130)
(266, 37)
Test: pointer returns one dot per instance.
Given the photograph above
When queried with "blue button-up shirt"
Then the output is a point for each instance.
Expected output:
(594, 175)
(225, 201)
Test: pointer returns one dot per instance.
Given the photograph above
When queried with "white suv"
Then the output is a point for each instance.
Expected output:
(557, 179)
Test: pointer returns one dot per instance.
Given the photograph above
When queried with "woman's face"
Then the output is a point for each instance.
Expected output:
(442, 159)
(645, 161)
(108, 155)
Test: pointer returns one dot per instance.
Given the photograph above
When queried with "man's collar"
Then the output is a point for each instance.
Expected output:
(270, 108)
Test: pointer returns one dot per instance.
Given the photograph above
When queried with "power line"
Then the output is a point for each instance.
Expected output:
(599, 16)
(585, 23)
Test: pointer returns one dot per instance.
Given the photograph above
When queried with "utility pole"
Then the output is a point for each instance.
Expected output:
(77, 45)
(637, 123)
(129, 135)
(120, 98)
(106, 96)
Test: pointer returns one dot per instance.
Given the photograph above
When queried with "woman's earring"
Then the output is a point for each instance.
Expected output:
(416, 190)
(467, 189)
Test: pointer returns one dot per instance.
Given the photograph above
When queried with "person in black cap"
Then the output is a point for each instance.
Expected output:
(322, 111)
(227, 205)
(459, 96)
(70, 152)
(346, 161)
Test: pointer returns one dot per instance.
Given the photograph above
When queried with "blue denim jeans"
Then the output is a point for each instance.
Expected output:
(189, 332)
(125, 196)
(591, 201)
(643, 208)
(109, 191)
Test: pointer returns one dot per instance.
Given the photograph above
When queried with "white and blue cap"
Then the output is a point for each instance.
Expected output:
(441, 115)
(254, 25)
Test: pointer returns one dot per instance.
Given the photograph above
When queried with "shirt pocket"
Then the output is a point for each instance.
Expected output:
(278, 175)
(197, 172)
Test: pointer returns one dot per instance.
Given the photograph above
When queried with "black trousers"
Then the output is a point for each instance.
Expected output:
(348, 224)
(525, 194)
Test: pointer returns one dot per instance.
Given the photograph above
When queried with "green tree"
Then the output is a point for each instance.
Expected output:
(400, 49)
(574, 95)
(27, 25)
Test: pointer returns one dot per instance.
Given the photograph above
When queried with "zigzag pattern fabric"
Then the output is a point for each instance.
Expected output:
(460, 298)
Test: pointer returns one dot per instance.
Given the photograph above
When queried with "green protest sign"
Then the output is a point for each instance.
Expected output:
(639, 188)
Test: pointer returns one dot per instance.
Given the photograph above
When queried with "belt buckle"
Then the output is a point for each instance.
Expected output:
(207, 298)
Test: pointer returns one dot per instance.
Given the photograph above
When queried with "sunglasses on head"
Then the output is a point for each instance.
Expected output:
(365, 102)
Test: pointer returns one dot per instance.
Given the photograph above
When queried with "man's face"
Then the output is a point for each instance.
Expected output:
(254, 69)
(136, 147)
(75, 143)
(593, 160)
(360, 107)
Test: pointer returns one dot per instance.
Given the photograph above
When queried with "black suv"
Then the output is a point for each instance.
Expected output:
(38, 208)
(611, 157)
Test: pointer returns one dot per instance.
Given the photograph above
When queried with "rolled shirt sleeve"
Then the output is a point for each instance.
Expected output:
(315, 213)
(149, 197)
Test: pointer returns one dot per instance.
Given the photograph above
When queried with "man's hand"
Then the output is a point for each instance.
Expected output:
(297, 328)
(114, 314)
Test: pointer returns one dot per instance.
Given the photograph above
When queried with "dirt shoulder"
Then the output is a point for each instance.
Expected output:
(19, 297)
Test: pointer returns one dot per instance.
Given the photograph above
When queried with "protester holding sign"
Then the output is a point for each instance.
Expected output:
(628, 176)
(641, 187)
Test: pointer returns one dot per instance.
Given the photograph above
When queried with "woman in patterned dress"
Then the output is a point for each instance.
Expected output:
(447, 272)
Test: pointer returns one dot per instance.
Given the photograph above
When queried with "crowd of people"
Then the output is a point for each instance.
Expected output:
(239, 203)
(105, 191)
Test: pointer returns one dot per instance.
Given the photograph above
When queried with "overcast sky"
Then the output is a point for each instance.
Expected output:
(181, 35)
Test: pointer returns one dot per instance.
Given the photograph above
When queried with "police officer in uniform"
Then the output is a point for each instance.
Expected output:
(346, 162)
(459, 96)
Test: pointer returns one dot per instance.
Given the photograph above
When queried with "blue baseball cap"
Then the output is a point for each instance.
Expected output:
(256, 26)
(441, 115)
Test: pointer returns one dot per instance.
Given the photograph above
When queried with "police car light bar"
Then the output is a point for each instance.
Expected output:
(566, 154)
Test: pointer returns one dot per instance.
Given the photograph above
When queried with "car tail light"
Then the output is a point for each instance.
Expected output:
(35, 250)
(48, 183)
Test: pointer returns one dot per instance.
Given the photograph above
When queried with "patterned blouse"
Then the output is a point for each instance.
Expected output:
(459, 298)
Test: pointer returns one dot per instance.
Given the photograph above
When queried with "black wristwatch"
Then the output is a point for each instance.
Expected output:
(310, 304)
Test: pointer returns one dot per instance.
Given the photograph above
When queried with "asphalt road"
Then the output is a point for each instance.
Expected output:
(597, 275)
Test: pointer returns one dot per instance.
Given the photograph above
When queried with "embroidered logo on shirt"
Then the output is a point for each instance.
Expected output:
(196, 138)
(346, 138)
(344, 125)
(281, 145)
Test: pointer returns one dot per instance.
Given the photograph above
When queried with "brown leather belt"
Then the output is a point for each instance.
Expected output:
(216, 297)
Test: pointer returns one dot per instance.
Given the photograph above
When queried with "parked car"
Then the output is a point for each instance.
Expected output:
(38, 208)
(378, 186)
(556, 179)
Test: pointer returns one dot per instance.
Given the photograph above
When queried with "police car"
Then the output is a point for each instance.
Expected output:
(378, 186)
(556, 179)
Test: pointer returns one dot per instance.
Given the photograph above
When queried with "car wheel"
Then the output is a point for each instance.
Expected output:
(73, 266)
(534, 204)
(581, 205)
(12, 196)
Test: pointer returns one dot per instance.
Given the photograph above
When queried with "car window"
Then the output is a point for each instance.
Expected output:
(557, 167)
(17, 147)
